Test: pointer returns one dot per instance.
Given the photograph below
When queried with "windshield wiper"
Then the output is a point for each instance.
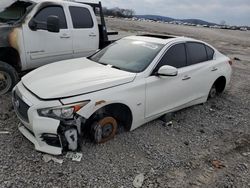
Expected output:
(112, 66)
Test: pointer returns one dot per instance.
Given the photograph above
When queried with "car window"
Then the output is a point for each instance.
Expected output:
(196, 53)
(44, 13)
(175, 56)
(81, 17)
(210, 53)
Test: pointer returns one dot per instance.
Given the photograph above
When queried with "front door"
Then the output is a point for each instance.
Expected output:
(166, 93)
(43, 47)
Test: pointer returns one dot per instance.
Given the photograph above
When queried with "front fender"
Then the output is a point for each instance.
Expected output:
(94, 106)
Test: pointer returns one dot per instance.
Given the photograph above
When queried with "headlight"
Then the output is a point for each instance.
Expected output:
(63, 112)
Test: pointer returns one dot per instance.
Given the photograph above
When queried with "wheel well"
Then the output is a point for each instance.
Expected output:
(220, 84)
(11, 56)
(120, 112)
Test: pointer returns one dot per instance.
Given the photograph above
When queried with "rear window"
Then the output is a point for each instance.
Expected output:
(196, 53)
(210, 53)
(81, 17)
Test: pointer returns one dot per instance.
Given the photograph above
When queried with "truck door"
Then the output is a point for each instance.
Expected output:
(43, 47)
(85, 30)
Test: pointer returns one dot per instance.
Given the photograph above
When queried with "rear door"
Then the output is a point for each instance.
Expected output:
(85, 30)
(201, 66)
(43, 47)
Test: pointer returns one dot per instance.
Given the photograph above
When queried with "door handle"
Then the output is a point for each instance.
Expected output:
(214, 69)
(92, 35)
(186, 78)
(65, 36)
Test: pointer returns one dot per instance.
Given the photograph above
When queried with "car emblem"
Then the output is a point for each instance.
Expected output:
(17, 103)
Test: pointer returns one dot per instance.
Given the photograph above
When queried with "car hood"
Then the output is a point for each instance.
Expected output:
(73, 77)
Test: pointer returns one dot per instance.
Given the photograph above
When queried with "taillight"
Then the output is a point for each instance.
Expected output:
(230, 62)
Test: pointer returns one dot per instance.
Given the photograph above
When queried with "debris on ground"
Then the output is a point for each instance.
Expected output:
(138, 181)
(48, 158)
(243, 167)
(4, 117)
(218, 164)
(74, 156)
(241, 143)
(4, 132)
(211, 110)
(246, 154)
(169, 124)
(202, 131)
(237, 59)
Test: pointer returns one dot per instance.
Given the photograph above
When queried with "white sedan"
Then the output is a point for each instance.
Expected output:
(129, 83)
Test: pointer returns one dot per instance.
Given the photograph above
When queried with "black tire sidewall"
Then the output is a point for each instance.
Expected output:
(4, 67)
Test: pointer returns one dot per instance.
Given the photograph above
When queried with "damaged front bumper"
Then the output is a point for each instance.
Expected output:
(43, 147)
(48, 135)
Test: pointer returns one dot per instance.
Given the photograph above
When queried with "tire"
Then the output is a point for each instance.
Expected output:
(8, 78)
(104, 129)
(213, 92)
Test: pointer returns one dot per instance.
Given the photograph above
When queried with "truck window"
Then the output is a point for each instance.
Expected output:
(44, 13)
(81, 17)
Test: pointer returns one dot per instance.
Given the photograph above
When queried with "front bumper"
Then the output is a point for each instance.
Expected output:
(34, 127)
(38, 145)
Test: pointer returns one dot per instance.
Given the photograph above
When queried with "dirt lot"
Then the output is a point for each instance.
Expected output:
(207, 146)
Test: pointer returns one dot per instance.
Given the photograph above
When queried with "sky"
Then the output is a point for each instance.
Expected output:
(234, 12)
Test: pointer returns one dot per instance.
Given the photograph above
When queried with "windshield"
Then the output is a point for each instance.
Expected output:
(129, 55)
(13, 12)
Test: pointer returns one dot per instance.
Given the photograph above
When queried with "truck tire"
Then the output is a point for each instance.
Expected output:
(8, 78)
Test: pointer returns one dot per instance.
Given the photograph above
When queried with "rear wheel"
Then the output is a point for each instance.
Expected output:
(8, 78)
(212, 92)
(218, 87)
(104, 129)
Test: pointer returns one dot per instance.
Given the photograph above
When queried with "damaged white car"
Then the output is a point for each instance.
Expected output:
(129, 83)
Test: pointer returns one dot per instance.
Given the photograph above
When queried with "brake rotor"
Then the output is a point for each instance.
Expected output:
(105, 130)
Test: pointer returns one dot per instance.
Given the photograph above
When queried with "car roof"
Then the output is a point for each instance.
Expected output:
(162, 39)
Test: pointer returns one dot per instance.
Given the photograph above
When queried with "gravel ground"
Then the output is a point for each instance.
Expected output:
(206, 146)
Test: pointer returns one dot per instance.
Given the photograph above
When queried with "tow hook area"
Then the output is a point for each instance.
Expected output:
(72, 139)
(70, 133)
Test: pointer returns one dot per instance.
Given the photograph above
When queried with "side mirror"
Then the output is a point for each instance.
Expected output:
(33, 25)
(53, 24)
(167, 71)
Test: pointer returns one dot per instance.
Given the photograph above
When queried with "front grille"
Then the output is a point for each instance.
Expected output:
(21, 107)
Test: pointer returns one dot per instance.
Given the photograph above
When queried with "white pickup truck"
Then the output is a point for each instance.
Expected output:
(37, 32)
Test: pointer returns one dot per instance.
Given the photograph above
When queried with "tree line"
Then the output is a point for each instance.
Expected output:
(118, 12)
